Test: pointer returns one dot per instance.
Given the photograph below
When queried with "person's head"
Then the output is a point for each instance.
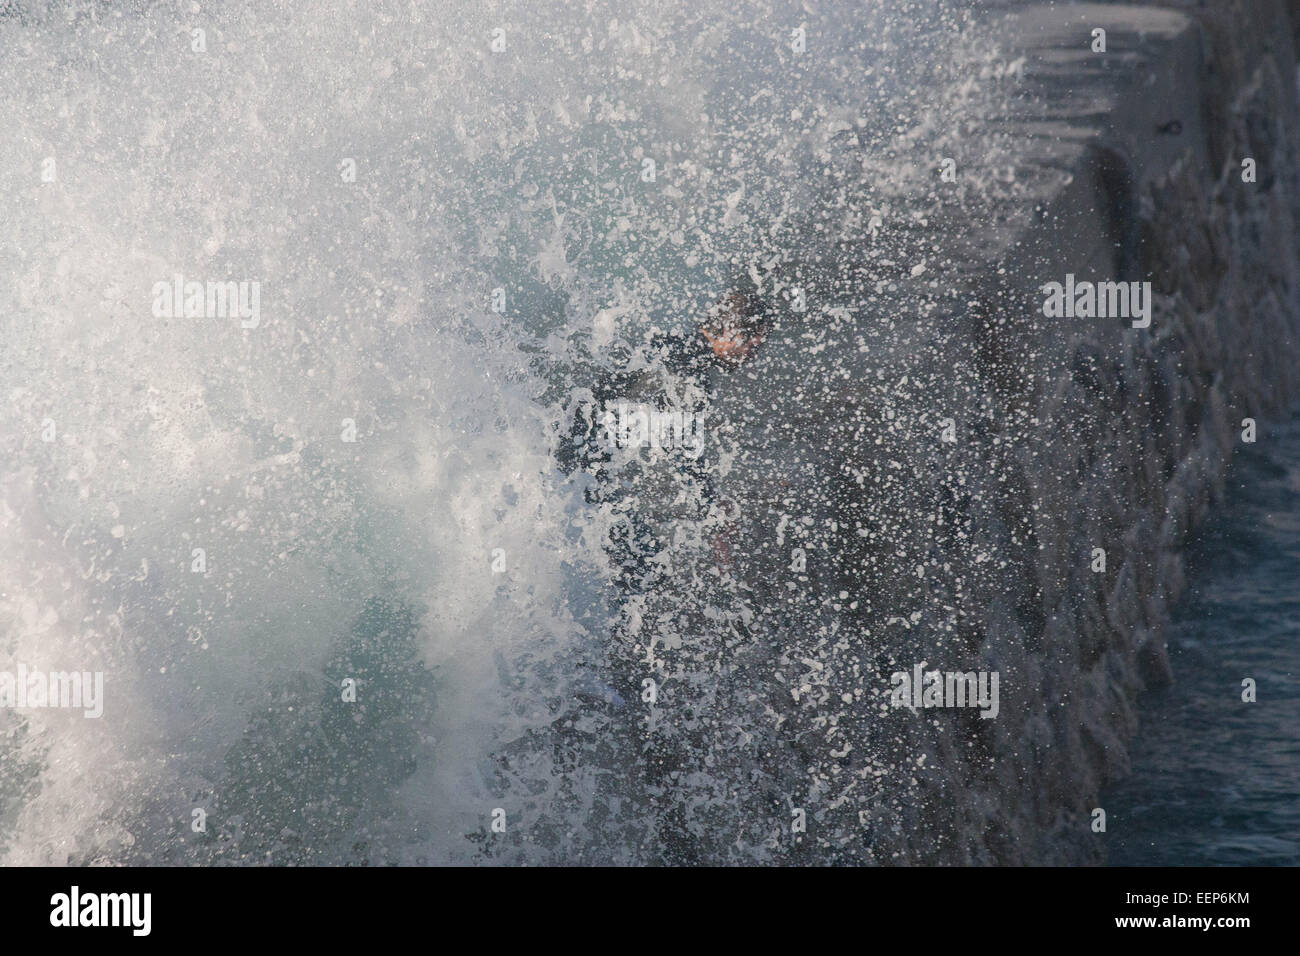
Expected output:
(735, 325)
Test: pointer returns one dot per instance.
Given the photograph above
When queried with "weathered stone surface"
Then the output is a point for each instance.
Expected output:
(1129, 167)
(1223, 346)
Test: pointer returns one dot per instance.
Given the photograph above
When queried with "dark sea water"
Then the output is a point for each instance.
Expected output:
(1216, 781)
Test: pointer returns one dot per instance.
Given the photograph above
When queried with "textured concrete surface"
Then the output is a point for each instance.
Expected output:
(1072, 433)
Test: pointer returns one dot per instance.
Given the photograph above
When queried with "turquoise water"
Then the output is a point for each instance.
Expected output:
(1216, 781)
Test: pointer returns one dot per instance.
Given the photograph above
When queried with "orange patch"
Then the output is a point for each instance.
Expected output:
(732, 346)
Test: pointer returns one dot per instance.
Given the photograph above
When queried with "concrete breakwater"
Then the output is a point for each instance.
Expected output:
(958, 477)
(1136, 426)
